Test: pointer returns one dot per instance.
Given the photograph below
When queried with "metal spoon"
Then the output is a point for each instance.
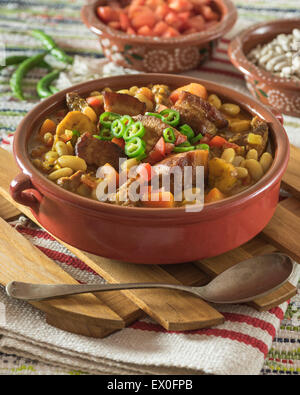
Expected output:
(242, 282)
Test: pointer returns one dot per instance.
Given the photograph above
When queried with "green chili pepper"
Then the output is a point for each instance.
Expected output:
(118, 128)
(51, 46)
(169, 135)
(154, 114)
(185, 144)
(141, 157)
(43, 88)
(203, 146)
(53, 89)
(21, 71)
(197, 138)
(127, 120)
(134, 130)
(184, 149)
(187, 131)
(107, 118)
(170, 116)
(17, 59)
(134, 147)
(104, 134)
(76, 133)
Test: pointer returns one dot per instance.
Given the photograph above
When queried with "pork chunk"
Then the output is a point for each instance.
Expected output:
(123, 104)
(71, 183)
(199, 114)
(98, 152)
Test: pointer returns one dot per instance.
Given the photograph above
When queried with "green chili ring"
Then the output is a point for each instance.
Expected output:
(169, 135)
(107, 118)
(136, 129)
(154, 114)
(170, 116)
(118, 128)
(104, 134)
(203, 147)
(134, 147)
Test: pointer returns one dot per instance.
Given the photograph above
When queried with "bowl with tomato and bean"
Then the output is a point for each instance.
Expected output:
(158, 35)
(152, 122)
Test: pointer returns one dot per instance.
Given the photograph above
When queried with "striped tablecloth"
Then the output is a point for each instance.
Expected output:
(61, 20)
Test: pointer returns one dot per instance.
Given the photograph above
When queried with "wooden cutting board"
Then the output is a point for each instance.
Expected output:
(179, 311)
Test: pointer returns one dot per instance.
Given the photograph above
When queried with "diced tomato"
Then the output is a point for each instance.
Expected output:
(145, 31)
(169, 148)
(119, 142)
(161, 11)
(180, 139)
(154, 157)
(130, 30)
(158, 199)
(145, 17)
(180, 5)
(209, 14)
(230, 145)
(171, 32)
(217, 141)
(96, 103)
(145, 171)
(114, 25)
(161, 146)
(124, 21)
(173, 20)
(161, 107)
(160, 28)
(108, 14)
(206, 139)
(197, 22)
(191, 30)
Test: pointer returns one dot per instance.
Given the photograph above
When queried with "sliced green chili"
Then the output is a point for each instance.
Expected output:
(12, 60)
(127, 120)
(19, 74)
(197, 138)
(184, 149)
(203, 146)
(104, 134)
(154, 114)
(187, 131)
(134, 147)
(185, 144)
(169, 135)
(51, 46)
(43, 86)
(118, 128)
(170, 116)
(134, 130)
(107, 118)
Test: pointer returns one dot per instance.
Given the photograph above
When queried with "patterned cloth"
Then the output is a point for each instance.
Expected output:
(61, 20)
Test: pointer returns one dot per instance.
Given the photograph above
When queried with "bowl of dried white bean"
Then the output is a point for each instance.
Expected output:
(268, 54)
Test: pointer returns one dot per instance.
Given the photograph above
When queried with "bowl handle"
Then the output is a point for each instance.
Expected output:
(23, 192)
(277, 114)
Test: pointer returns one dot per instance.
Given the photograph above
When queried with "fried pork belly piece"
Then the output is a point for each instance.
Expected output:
(123, 104)
(75, 102)
(71, 183)
(199, 114)
(98, 152)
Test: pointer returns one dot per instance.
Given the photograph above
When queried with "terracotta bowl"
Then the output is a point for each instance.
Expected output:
(148, 235)
(279, 93)
(159, 55)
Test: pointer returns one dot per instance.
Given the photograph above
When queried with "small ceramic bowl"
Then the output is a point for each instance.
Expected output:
(283, 94)
(148, 235)
(156, 54)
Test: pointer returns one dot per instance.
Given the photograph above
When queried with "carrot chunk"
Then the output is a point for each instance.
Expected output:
(194, 88)
(48, 126)
(214, 195)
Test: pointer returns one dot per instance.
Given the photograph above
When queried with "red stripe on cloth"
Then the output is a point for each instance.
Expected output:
(225, 40)
(224, 333)
(256, 322)
(219, 60)
(41, 234)
(222, 51)
(219, 71)
(277, 311)
(67, 259)
(5, 142)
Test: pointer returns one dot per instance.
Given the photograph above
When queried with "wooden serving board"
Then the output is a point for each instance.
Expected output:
(179, 311)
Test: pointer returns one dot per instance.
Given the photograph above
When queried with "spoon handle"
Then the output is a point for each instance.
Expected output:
(27, 291)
